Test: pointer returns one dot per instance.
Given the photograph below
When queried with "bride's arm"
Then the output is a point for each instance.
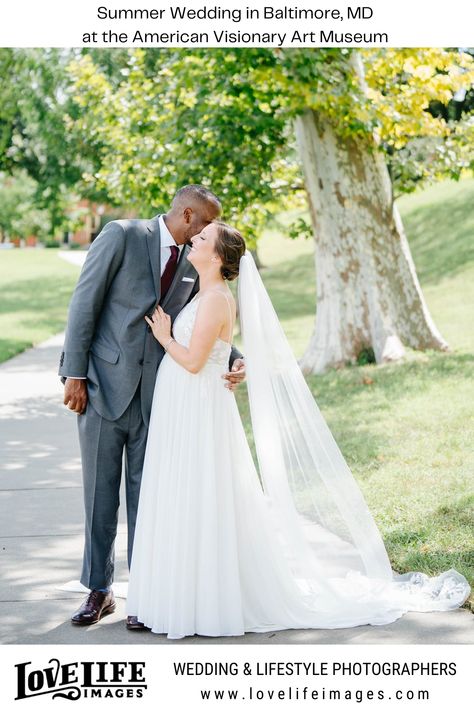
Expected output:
(212, 315)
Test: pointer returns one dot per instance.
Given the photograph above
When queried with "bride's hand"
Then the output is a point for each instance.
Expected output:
(160, 324)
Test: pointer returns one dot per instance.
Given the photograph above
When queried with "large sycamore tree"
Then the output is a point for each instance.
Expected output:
(237, 120)
(368, 293)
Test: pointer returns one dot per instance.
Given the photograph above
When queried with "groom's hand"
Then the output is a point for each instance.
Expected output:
(75, 394)
(235, 376)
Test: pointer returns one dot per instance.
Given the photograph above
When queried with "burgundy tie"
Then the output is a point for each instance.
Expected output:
(168, 274)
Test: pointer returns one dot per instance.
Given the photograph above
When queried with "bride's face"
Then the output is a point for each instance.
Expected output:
(203, 247)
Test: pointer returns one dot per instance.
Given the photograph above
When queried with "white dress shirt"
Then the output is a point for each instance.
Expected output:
(167, 241)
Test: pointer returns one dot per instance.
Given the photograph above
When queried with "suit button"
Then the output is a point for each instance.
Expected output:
(140, 362)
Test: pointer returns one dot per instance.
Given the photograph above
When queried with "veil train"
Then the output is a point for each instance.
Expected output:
(325, 524)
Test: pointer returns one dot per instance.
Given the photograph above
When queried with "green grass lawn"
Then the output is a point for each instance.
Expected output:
(408, 434)
(35, 289)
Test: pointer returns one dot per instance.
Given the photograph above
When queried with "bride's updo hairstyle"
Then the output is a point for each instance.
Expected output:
(230, 247)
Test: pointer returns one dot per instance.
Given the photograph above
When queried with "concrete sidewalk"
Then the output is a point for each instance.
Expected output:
(41, 528)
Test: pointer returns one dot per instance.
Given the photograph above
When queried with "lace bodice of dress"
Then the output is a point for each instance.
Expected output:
(183, 328)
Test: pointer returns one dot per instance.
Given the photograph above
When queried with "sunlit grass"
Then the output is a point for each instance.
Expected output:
(35, 289)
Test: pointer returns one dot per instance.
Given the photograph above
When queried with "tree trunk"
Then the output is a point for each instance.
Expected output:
(368, 293)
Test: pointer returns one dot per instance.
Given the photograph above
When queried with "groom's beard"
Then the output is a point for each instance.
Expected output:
(187, 237)
(192, 231)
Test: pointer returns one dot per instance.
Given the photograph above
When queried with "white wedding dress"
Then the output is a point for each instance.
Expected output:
(214, 554)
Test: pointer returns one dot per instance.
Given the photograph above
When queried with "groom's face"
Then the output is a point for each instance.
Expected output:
(199, 216)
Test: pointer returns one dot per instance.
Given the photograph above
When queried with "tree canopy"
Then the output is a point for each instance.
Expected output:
(131, 126)
(225, 118)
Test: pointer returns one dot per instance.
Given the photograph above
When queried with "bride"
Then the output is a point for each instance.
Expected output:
(221, 549)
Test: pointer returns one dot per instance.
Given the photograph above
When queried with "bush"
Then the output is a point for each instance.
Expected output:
(366, 356)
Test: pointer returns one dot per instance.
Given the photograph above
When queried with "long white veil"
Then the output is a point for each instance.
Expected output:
(324, 521)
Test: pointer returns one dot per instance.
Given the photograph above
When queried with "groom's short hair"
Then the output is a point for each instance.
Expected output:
(194, 192)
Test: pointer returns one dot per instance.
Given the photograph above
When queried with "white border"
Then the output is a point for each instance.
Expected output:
(62, 23)
(166, 690)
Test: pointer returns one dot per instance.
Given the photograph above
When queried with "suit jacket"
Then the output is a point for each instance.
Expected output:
(107, 338)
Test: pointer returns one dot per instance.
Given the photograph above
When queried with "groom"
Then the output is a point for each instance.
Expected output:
(109, 364)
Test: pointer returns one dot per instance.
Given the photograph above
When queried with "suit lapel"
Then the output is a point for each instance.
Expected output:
(183, 267)
(153, 243)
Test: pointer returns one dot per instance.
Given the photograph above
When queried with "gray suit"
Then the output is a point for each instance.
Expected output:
(108, 342)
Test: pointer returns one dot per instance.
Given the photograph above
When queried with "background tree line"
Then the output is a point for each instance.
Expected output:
(332, 132)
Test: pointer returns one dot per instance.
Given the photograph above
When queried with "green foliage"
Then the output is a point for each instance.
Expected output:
(32, 222)
(427, 158)
(34, 135)
(414, 94)
(402, 84)
(179, 117)
(224, 118)
(19, 215)
(129, 127)
(366, 356)
(8, 105)
(300, 227)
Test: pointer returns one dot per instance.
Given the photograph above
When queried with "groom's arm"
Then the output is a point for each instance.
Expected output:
(236, 374)
(235, 354)
(102, 263)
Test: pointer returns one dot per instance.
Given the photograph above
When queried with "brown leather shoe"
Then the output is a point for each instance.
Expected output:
(96, 605)
(134, 624)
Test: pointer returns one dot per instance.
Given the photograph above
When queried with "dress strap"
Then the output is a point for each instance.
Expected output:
(231, 319)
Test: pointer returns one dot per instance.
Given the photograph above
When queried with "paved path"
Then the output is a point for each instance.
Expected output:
(73, 257)
(41, 526)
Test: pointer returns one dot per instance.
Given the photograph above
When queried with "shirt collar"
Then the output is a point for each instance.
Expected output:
(167, 239)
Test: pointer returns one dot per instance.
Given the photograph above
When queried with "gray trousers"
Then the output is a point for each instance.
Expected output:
(102, 445)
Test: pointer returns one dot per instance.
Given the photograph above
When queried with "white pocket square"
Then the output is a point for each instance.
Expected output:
(188, 279)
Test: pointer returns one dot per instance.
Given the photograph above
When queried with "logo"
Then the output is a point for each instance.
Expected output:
(102, 680)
